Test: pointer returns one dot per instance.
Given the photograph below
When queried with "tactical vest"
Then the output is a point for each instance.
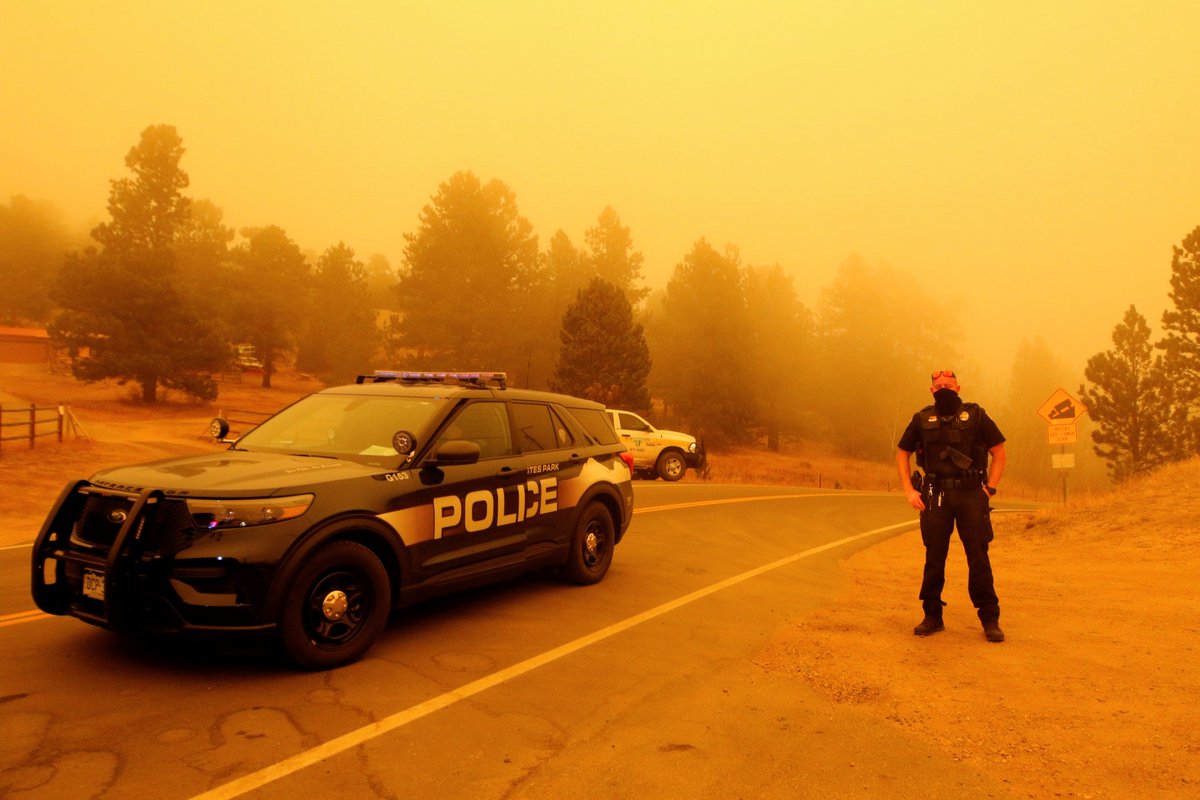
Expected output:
(958, 431)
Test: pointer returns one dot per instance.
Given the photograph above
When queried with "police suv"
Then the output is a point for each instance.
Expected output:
(350, 502)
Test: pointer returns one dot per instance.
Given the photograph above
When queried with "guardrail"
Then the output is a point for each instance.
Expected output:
(35, 422)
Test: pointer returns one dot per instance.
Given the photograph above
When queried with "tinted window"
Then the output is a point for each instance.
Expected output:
(596, 423)
(485, 424)
(562, 431)
(539, 428)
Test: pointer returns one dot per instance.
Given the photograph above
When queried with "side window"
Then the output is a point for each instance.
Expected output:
(538, 428)
(632, 422)
(596, 423)
(485, 424)
(562, 433)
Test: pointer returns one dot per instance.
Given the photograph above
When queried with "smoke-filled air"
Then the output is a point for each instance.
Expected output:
(763, 223)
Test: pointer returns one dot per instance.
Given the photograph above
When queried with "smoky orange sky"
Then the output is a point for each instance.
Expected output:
(1034, 161)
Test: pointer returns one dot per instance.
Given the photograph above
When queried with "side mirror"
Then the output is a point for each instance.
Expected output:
(455, 451)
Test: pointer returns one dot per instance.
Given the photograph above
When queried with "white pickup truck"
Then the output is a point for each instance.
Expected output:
(657, 452)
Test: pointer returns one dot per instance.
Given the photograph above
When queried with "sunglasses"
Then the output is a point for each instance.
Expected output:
(942, 372)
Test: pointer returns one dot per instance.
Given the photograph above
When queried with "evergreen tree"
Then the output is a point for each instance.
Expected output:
(1181, 342)
(566, 271)
(780, 356)
(271, 283)
(611, 256)
(700, 341)
(204, 268)
(466, 281)
(1129, 401)
(603, 356)
(381, 283)
(338, 352)
(123, 302)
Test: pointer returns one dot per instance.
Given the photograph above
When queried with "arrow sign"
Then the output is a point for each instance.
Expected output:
(1061, 408)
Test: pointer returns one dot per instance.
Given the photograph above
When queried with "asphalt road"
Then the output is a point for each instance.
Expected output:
(644, 685)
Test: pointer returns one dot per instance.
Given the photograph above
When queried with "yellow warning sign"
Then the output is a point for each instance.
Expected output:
(1061, 408)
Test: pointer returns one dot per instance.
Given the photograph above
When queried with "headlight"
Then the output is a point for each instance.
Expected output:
(692, 447)
(240, 513)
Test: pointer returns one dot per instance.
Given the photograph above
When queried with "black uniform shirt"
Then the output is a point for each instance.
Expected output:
(989, 433)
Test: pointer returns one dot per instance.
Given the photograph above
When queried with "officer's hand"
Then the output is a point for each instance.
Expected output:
(914, 499)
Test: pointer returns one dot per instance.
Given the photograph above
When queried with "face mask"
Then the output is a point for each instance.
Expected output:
(946, 401)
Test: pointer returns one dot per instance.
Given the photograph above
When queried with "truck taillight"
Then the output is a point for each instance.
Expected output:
(627, 457)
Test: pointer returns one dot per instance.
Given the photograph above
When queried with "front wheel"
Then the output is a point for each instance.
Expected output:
(591, 546)
(336, 607)
(671, 465)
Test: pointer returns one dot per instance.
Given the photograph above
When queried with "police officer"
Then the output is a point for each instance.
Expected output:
(953, 440)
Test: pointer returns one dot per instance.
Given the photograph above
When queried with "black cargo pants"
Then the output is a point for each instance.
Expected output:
(967, 508)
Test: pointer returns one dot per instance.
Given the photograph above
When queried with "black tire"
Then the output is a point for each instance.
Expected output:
(591, 546)
(336, 607)
(670, 466)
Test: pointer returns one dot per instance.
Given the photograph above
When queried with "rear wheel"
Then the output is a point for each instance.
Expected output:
(591, 546)
(336, 607)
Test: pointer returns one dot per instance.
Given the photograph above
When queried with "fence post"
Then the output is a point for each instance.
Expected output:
(32, 425)
(61, 413)
(1, 427)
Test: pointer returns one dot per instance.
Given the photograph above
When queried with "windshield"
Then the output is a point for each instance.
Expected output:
(343, 426)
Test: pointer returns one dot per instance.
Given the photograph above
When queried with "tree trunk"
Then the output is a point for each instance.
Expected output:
(268, 367)
(149, 390)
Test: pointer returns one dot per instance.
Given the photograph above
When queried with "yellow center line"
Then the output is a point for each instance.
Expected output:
(756, 498)
(21, 616)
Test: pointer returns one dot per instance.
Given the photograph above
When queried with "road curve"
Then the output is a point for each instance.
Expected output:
(644, 685)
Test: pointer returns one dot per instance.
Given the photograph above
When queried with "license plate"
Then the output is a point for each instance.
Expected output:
(93, 584)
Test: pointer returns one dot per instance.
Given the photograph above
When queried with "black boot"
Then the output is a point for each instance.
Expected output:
(989, 615)
(930, 625)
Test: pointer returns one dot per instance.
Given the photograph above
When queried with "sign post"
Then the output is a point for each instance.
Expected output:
(1062, 411)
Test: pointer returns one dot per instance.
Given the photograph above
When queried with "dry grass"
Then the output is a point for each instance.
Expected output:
(801, 464)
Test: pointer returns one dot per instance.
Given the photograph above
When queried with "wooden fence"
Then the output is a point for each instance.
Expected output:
(32, 423)
(242, 417)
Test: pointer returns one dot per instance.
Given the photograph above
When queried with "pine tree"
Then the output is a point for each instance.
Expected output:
(1181, 342)
(467, 274)
(701, 341)
(603, 356)
(340, 291)
(610, 255)
(1129, 401)
(271, 282)
(124, 313)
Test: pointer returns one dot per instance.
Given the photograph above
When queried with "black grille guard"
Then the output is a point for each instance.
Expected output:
(59, 596)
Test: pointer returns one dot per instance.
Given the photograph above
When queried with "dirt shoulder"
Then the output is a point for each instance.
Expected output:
(1092, 694)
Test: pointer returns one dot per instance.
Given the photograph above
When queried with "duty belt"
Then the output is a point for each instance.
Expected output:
(965, 480)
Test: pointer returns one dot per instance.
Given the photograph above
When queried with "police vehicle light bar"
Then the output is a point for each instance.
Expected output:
(498, 379)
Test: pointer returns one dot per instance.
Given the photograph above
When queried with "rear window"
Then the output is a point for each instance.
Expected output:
(596, 423)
